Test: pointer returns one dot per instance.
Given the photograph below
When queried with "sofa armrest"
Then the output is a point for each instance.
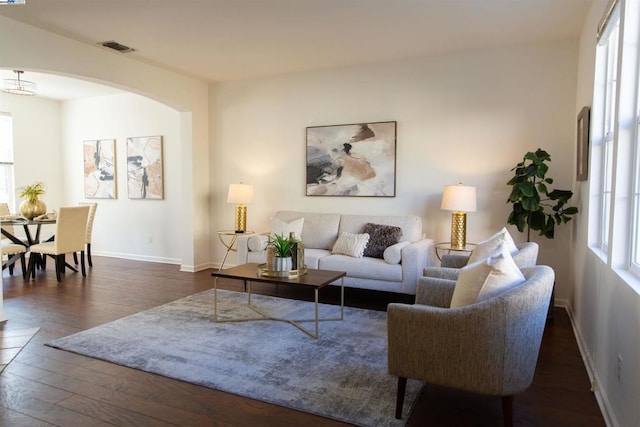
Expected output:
(242, 249)
(415, 257)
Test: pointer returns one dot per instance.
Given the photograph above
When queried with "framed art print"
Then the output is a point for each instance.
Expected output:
(99, 169)
(352, 160)
(144, 167)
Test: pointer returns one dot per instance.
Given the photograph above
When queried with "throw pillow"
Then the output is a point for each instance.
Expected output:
(282, 228)
(484, 248)
(486, 278)
(393, 254)
(381, 237)
(350, 244)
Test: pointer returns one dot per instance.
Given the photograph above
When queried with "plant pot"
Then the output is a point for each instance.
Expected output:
(30, 209)
(282, 263)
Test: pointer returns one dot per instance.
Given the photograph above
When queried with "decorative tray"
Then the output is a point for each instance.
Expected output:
(288, 274)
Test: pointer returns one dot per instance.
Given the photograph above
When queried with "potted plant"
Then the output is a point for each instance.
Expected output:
(283, 250)
(32, 206)
(534, 206)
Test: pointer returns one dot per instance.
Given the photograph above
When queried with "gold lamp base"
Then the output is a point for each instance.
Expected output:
(241, 219)
(458, 230)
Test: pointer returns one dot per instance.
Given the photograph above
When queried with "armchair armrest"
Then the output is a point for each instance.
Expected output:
(448, 273)
(460, 347)
(434, 292)
(454, 261)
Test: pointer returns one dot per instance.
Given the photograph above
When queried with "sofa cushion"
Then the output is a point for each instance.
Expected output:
(350, 244)
(381, 237)
(484, 248)
(486, 278)
(364, 268)
(284, 228)
(320, 230)
(393, 254)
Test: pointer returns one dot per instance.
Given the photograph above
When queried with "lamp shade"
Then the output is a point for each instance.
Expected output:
(459, 198)
(240, 193)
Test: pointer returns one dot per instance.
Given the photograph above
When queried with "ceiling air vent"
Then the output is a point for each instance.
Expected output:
(117, 46)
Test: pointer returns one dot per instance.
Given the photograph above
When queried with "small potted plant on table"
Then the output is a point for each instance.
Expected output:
(32, 206)
(281, 248)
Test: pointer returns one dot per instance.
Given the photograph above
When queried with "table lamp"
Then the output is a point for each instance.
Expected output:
(460, 199)
(240, 194)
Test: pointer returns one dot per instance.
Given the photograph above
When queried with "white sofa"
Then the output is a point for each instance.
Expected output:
(319, 233)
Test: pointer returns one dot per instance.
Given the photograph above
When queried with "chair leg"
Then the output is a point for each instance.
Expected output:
(84, 272)
(59, 267)
(23, 264)
(30, 267)
(402, 386)
(11, 268)
(75, 258)
(507, 411)
(89, 255)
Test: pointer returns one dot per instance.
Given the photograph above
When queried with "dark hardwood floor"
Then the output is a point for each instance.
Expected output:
(43, 386)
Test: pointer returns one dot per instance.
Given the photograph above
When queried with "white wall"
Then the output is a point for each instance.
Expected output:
(36, 133)
(466, 117)
(130, 228)
(606, 307)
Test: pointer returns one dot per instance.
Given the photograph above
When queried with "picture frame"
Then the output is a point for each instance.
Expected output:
(582, 167)
(353, 160)
(100, 169)
(145, 168)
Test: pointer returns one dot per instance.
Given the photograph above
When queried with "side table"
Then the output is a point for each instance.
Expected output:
(228, 239)
(443, 247)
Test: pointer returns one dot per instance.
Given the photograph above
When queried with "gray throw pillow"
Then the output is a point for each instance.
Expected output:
(381, 237)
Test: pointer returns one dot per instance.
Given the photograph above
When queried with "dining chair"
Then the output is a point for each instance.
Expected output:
(71, 226)
(13, 251)
(92, 214)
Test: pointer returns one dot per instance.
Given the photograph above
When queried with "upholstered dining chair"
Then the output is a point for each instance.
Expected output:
(489, 347)
(89, 232)
(13, 251)
(71, 226)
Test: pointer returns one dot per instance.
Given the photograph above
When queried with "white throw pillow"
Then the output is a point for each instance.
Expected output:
(282, 228)
(350, 244)
(393, 254)
(486, 278)
(484, 248)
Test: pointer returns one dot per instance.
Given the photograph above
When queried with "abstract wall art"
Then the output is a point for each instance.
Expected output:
(352, 160)
(99, 169)
(144, 167)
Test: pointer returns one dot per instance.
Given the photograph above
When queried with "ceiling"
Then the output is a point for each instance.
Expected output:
(224, 40)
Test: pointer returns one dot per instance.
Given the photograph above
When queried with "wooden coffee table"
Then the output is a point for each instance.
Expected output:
(315, 279)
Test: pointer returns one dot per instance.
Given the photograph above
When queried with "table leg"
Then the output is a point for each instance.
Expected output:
(215, 299)
(233, 241)
(316, 299)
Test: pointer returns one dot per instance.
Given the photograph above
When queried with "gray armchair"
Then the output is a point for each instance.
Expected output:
(450, 266)
(488, 348)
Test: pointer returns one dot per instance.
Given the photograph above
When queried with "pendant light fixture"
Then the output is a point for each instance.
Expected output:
(19, 86)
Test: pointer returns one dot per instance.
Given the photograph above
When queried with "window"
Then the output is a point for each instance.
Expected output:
(604, 125)
(7, 187)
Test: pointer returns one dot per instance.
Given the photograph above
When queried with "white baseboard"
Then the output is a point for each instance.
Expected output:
(600, 394)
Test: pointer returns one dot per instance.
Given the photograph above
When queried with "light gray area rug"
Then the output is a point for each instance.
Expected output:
(342, 375)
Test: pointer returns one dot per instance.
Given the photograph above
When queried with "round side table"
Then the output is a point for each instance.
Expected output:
(445, 247)
(228, 239)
